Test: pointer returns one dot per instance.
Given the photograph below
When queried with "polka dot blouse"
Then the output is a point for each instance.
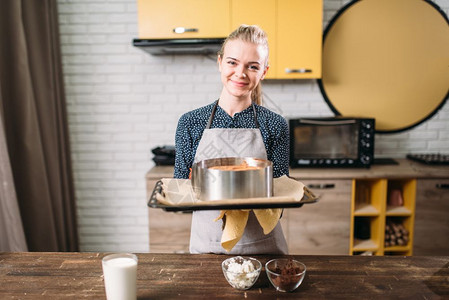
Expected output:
(273, 127)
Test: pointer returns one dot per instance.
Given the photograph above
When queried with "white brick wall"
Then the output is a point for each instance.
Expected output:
(122, 102)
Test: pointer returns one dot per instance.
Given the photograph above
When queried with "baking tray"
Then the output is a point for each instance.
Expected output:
(308, 198)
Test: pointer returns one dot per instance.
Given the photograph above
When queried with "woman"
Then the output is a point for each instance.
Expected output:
(235, 126)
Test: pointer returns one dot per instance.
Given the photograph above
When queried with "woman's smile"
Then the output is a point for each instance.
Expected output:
(239, 83)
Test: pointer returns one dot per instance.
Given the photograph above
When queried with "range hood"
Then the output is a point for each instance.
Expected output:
(179, 46)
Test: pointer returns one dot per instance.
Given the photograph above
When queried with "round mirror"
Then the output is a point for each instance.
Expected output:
(387, 60)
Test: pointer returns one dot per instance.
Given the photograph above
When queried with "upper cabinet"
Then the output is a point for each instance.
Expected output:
(299, 38)
(262, 13)
(294, 28)
(177, 19)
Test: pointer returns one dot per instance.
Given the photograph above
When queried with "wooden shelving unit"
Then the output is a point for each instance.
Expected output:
(371, 211)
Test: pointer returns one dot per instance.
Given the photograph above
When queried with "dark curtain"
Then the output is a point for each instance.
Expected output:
(32, 105)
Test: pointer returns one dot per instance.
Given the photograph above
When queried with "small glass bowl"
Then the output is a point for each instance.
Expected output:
(241, 272)
(285, 274)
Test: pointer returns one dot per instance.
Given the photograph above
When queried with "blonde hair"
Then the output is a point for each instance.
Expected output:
(252, 34)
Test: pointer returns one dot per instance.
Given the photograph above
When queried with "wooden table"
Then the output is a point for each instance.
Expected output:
(185, 276)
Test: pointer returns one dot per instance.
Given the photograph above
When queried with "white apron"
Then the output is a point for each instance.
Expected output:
(205, 236)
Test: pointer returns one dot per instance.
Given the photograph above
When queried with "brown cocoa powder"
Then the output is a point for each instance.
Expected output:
(288, 279)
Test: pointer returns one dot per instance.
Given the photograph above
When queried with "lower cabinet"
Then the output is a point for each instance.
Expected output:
(359, 216)
(169, 231)
(321, 228)
(432, 217)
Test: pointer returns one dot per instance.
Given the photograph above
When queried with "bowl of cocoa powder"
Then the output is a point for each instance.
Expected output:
(285, 274)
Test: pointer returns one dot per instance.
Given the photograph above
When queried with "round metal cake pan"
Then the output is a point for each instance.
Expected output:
(215, 184)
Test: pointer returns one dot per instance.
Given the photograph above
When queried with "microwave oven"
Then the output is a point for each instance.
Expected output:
(331, 142)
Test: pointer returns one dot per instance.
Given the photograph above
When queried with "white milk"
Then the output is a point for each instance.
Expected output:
(120, 276)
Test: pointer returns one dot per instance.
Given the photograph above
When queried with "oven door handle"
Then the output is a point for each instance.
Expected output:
(339, 122)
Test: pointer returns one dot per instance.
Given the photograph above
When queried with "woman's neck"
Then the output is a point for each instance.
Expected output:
(233, 105)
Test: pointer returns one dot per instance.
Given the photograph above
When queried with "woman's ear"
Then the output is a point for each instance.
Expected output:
(219, 62)
(264, 72)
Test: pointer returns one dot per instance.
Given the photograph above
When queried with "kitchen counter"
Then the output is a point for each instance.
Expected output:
(34, 275)
(325, 227)
(404, 169)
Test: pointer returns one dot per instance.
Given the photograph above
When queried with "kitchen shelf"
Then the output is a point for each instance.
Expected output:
(381, 201)
(366, 210)
(369, 193)
(398, 211)
(397, 249)
(365, 245)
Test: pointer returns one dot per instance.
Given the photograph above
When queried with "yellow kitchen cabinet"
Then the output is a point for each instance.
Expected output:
(263, 14)
(299, 38)
(177, 19)
(372, 212)
(294, 29)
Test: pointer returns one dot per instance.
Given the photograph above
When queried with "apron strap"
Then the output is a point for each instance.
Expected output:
(212, 114)
(255, 115)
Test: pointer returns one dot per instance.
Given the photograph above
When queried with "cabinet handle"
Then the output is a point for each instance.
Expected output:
(289, 71)
(443, 186)
(322, 186)
(180, 30)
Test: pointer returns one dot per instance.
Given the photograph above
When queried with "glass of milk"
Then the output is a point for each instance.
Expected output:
(120, 276)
